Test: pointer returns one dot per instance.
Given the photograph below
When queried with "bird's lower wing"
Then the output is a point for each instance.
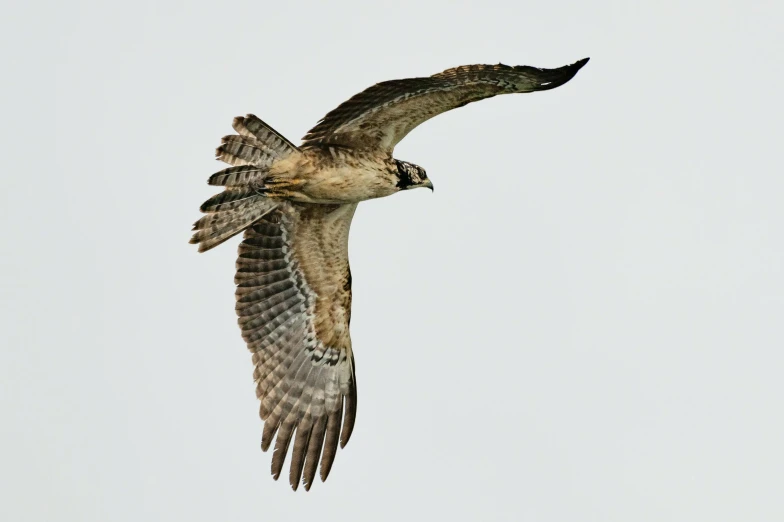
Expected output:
(294, 306)
(382, 115)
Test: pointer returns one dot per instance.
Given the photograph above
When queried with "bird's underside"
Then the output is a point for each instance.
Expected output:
(295, 205)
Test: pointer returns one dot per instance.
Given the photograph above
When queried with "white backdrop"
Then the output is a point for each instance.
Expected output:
(583, 322)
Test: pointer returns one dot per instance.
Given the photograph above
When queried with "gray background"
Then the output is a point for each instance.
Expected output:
(583, 322)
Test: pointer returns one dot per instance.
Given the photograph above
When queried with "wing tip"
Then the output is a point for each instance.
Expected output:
(552, 78)
(579, 64)
(572, 68)
(350, 414)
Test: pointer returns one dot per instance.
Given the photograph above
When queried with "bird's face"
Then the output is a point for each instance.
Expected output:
(411, 176)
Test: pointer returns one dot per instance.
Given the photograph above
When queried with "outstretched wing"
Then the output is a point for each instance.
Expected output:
(382, 115)
(294, 307)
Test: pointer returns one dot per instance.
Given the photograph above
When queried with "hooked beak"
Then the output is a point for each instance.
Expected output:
(428, 184)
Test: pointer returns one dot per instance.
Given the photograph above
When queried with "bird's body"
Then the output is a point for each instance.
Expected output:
(295, 206)
(335, 175)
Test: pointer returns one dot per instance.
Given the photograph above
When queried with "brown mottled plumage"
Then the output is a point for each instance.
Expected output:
(295, 207)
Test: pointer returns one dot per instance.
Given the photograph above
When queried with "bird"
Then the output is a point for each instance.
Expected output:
(294, 206)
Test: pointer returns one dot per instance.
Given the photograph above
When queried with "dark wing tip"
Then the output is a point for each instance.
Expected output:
(552, 78)
(576, 66)
(579, 64)
(299, 452)
(331, 442)
(572, 69)
(349, 417)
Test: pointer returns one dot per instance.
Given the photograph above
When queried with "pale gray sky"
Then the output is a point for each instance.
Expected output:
(585, 321)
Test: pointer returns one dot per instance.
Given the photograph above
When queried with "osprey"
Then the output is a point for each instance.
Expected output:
(295, 206)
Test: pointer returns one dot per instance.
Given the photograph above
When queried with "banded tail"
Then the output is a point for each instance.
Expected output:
(251, 151)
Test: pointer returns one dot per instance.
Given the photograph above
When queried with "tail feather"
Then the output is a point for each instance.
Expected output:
(222, 216)
(257, 144)
(251, 125)
(244, 200)
(216, 227)
(228, 199)
(243, 175)
(245, 150)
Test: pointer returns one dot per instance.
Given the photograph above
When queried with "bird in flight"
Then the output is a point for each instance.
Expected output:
(294, 205)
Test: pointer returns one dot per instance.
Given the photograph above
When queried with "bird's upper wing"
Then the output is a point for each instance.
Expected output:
(382, 115)
(294, 306)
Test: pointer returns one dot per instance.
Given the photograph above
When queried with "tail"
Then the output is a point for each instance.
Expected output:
(242, 203)
(255, 143)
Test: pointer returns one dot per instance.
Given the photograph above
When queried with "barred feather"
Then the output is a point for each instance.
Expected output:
(301, 382)
(314, 450)
(257, 144)
(251, 125)
(229, 200)
(245, 150)
(243, 201)
(214, 229)
(243, 175)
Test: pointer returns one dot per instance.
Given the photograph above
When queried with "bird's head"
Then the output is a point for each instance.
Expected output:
(411, 176)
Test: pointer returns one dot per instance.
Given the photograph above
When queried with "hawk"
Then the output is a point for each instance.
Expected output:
(294, 205)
